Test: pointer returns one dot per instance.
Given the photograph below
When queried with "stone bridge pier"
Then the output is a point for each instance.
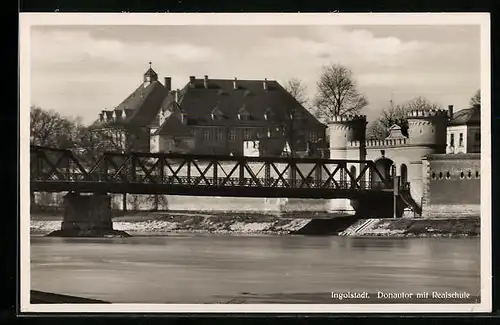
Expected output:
(87, 215)
(377, 206)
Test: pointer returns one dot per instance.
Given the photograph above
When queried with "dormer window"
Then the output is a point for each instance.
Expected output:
(243, 114)
(216, 113)
(268, 114)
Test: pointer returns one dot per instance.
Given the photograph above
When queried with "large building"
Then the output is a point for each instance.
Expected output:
(441, 147)
(209, 116)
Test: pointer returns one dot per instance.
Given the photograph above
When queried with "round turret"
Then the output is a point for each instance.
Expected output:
(345, 129)
(427, 127)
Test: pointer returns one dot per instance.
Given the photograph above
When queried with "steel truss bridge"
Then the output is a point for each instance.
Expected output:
(60, 170)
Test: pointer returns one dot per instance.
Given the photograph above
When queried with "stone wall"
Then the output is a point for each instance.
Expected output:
(452, 185)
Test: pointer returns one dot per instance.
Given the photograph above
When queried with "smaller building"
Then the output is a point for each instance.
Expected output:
(464, 131)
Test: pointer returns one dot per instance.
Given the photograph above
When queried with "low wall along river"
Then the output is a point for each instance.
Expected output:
(162, 223)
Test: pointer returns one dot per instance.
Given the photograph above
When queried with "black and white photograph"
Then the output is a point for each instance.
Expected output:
(255, 163)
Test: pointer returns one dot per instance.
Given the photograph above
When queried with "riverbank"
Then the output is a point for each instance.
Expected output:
(162, 223)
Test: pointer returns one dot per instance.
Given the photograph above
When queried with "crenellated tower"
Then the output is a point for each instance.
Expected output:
(428, 128)
(345, 130)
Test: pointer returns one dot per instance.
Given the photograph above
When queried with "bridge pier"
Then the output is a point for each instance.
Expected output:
(377, 206)
(87, 216)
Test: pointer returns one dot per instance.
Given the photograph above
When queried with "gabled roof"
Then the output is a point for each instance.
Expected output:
(395, 132)
(198, 102)
(173, 126)
(469, 116)
(141, 106)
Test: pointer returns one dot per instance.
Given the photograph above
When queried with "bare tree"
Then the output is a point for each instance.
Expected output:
(476, 98)
(298, 90)
(421, 103)
(48, 128)
(338, 93)
(397, 114)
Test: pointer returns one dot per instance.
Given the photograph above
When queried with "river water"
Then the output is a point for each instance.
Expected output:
(250, 269)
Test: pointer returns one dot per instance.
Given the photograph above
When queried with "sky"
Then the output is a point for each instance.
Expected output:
(81, 70)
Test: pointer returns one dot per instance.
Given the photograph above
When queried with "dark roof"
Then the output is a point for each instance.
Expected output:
(141, 106)
(151, 73)
(469, 116)
(198, 102)
(174, 126)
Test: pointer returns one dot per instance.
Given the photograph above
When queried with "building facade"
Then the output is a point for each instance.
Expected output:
(464, 131)
(209, 116)
(419, 158)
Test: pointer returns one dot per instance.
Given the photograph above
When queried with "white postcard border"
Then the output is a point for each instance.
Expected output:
(31, 19)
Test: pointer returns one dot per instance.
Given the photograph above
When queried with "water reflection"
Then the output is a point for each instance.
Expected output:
(197, 269)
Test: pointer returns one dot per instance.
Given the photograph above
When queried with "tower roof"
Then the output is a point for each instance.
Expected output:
(150, 72)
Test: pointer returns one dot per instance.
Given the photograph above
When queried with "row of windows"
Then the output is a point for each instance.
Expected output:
(447, 175)
(244, 115)
(477, 139)
(248, 134)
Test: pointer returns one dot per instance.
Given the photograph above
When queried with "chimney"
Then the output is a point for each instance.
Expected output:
(191, 81)
(450, 111)
(176, 93)
(205, 82)
(235, 83)
(101, 117)
(168, 83)
(265, 83)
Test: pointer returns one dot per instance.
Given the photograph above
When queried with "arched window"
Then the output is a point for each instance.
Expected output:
(462, 175)
(433, 175)
(440, 175)
(477, 174)
(469, 174)
(448, 175)
(404, 174)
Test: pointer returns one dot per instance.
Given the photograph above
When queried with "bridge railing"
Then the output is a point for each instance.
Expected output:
(50, 165)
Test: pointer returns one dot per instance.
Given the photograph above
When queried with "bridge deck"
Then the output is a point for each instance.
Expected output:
(56, 170)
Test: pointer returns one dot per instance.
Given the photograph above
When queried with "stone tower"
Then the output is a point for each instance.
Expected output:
(347, 136)
(150, 76)
(428, 128)
(345, 132)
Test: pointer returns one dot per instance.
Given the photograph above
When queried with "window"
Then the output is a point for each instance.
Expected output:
(462, 175)
(477, 174)
(219, 135)
(440, 175)
(461, 140)
(447, 175)
(313, 136)
(469, 174)
(433, 175)
(246, 134)
(206, 135)
(232, 135)
(452, 140)
(216, 113)
(243, 114)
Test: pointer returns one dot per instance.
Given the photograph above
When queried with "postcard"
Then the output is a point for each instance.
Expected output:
(270, 163)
